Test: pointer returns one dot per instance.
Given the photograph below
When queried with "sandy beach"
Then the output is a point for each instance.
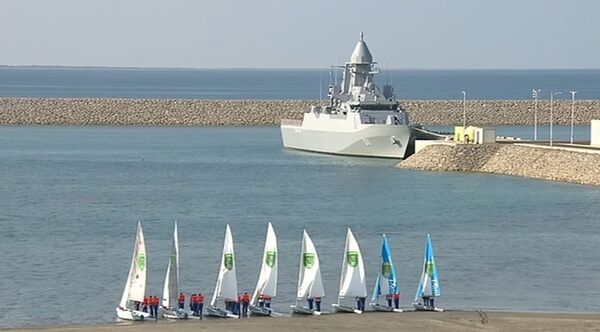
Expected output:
(408, 321)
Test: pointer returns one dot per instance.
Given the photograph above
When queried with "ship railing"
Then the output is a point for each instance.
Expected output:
(291, 122)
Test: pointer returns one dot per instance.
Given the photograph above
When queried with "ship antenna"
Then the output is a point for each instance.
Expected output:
(361, 37)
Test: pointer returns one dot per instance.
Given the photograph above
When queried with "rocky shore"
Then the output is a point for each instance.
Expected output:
(204, 112)
(509, 159)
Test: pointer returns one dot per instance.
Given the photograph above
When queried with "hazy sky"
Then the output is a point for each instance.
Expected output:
(423, 34)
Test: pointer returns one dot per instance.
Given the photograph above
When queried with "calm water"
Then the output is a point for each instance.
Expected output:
(287, 84)
(70, 198)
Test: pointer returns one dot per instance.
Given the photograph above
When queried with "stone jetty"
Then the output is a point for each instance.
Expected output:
(208, 112)
(509, 159)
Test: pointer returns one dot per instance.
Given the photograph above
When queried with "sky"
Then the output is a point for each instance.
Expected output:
(402, 34)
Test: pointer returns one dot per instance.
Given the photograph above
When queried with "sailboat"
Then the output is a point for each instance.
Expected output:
(429, 285)
(310, 284)
(226, 288)
(353, 284)
(386, 286)
(135, 286)
(170, 298)
(266, 287)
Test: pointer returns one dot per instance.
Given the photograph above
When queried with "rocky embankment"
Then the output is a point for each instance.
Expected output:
(204, 112)
(509, 159)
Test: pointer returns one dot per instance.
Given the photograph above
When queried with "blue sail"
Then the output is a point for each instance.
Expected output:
(429, 284)
(386, 280)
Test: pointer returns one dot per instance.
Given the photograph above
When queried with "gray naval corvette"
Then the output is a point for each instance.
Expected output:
(359, 120)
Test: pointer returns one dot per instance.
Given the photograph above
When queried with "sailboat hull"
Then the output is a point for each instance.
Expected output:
(420, 307)
(260, 311)
(304, 311)
(175, 314)
(218, 312)
(378, 307)
(132, 314)
(342, 308)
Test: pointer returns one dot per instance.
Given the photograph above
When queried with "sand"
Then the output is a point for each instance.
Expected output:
(408, 321)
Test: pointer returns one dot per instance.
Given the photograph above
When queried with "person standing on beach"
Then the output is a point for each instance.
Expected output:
(199, 304)
(192, 303)
(156, 302)
(145, 304)
(318, 303)
(181, 300)
(397, 300)
(245, 303)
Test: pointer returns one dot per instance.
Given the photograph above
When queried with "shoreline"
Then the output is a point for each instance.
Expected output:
(215, 112)
(412, 320)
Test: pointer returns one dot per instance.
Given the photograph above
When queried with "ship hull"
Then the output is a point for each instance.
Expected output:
(383, 141)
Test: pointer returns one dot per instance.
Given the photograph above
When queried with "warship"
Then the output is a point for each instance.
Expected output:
(359, 120)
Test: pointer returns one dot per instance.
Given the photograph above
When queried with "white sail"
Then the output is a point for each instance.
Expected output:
(135, 286)
(267, 280)
(352, 282)
(310, 284)
(171, 286)
(226, 283)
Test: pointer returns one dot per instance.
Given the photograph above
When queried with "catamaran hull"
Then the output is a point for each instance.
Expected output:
(381, 308)
(132, 314)
(420, 307)
(218, 312)
(304, 311)
(175, 314)
(343, 308)
(377, 140)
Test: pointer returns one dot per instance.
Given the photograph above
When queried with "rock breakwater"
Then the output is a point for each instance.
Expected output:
(206, 112)
(509, 159)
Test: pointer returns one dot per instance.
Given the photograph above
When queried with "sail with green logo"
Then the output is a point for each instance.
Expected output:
(266, 287)
(135, 286)
(429, 284)
(386, 286)
(226, 288)
(353, 283)
(310, 283)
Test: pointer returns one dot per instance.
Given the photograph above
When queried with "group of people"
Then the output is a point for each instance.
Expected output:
(150, 305)
(239, 307)
(314, 303)
(395, 298)
(196, 303)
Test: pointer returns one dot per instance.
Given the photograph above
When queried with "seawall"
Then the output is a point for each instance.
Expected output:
(204, 112)
(509, 159)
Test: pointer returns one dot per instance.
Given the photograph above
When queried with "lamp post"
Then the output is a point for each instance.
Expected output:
(572, 112)
(464, 93)
(551, 109)
(535, 93)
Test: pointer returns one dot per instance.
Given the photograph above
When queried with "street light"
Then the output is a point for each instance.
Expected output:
(551, 109)
(535, 93)
(572, 112)
(464, 93)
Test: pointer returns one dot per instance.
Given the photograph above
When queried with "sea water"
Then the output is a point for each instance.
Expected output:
(287, 83)
(70, 198)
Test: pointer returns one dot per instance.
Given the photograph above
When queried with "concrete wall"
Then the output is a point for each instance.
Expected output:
(509, 159)
(595, 134)
(81, 111)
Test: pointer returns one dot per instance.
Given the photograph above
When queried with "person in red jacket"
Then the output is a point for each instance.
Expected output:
(199, 304)
(193, 303)
(181, 300)
(145, 304)
(245, 303)
(155, 303)
(397, 300)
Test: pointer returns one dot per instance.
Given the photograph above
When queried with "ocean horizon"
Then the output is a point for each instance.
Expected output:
(276, 83)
